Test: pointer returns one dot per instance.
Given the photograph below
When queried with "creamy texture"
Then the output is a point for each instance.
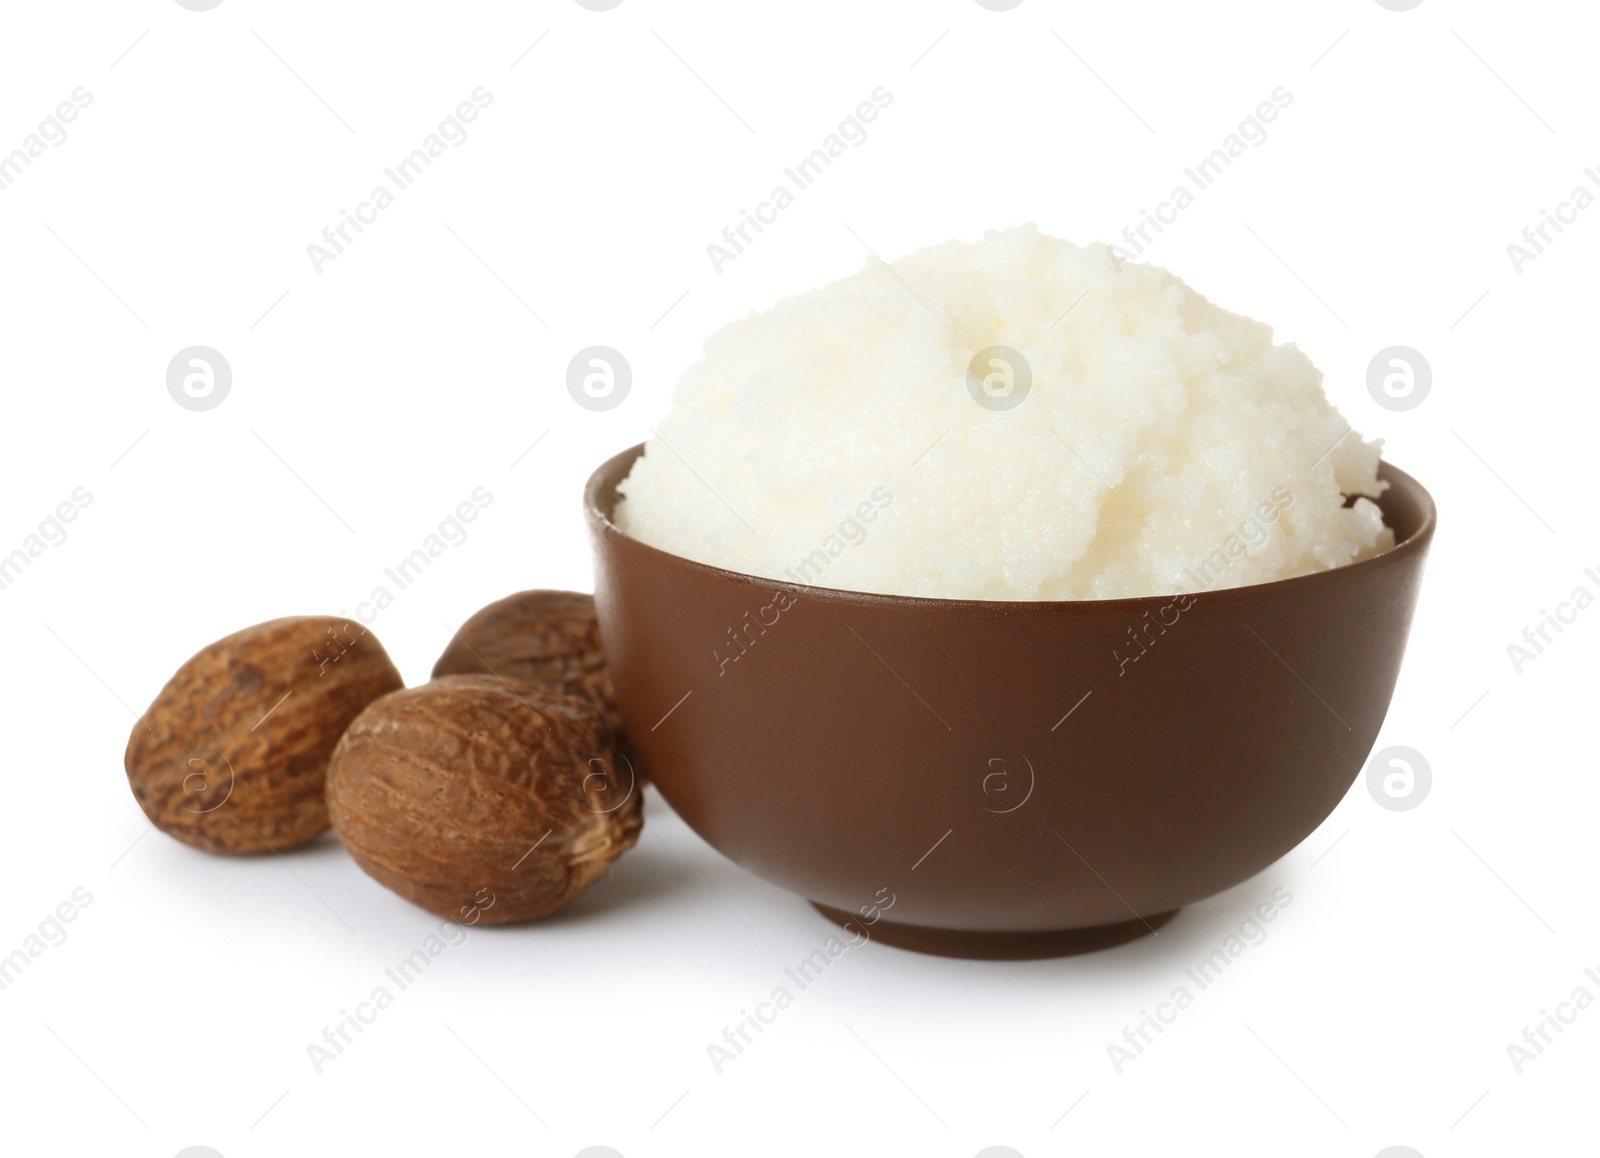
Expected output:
(1165, 444)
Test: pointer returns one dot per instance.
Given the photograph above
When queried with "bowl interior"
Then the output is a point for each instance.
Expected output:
(1408, 510)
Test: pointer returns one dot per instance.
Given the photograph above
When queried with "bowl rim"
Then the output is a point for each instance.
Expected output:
(1414, 545)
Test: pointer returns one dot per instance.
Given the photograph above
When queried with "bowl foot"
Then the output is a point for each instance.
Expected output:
(998, 946)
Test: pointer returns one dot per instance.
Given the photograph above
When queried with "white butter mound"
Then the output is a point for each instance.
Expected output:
(1165, 444)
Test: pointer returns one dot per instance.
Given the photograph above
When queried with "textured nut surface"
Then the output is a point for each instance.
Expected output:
(482, 798)
(232, 755)
(544, 637)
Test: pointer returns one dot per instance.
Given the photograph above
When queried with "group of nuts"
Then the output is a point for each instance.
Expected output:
(507, 774)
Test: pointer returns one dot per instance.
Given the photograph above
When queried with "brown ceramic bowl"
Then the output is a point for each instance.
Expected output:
(991, 766)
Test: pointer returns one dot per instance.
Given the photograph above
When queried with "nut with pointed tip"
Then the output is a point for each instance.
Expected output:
(482, 798)
(232, 755)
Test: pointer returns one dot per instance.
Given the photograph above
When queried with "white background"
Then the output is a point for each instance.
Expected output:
(425, 360)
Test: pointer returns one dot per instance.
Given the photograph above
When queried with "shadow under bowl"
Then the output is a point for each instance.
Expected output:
(1022, 779)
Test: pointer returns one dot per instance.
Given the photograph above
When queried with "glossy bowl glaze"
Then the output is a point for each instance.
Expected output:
(1022, 779)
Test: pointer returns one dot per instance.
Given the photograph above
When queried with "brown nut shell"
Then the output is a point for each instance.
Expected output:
(483, 799)
(545, 637)
(232, 755)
